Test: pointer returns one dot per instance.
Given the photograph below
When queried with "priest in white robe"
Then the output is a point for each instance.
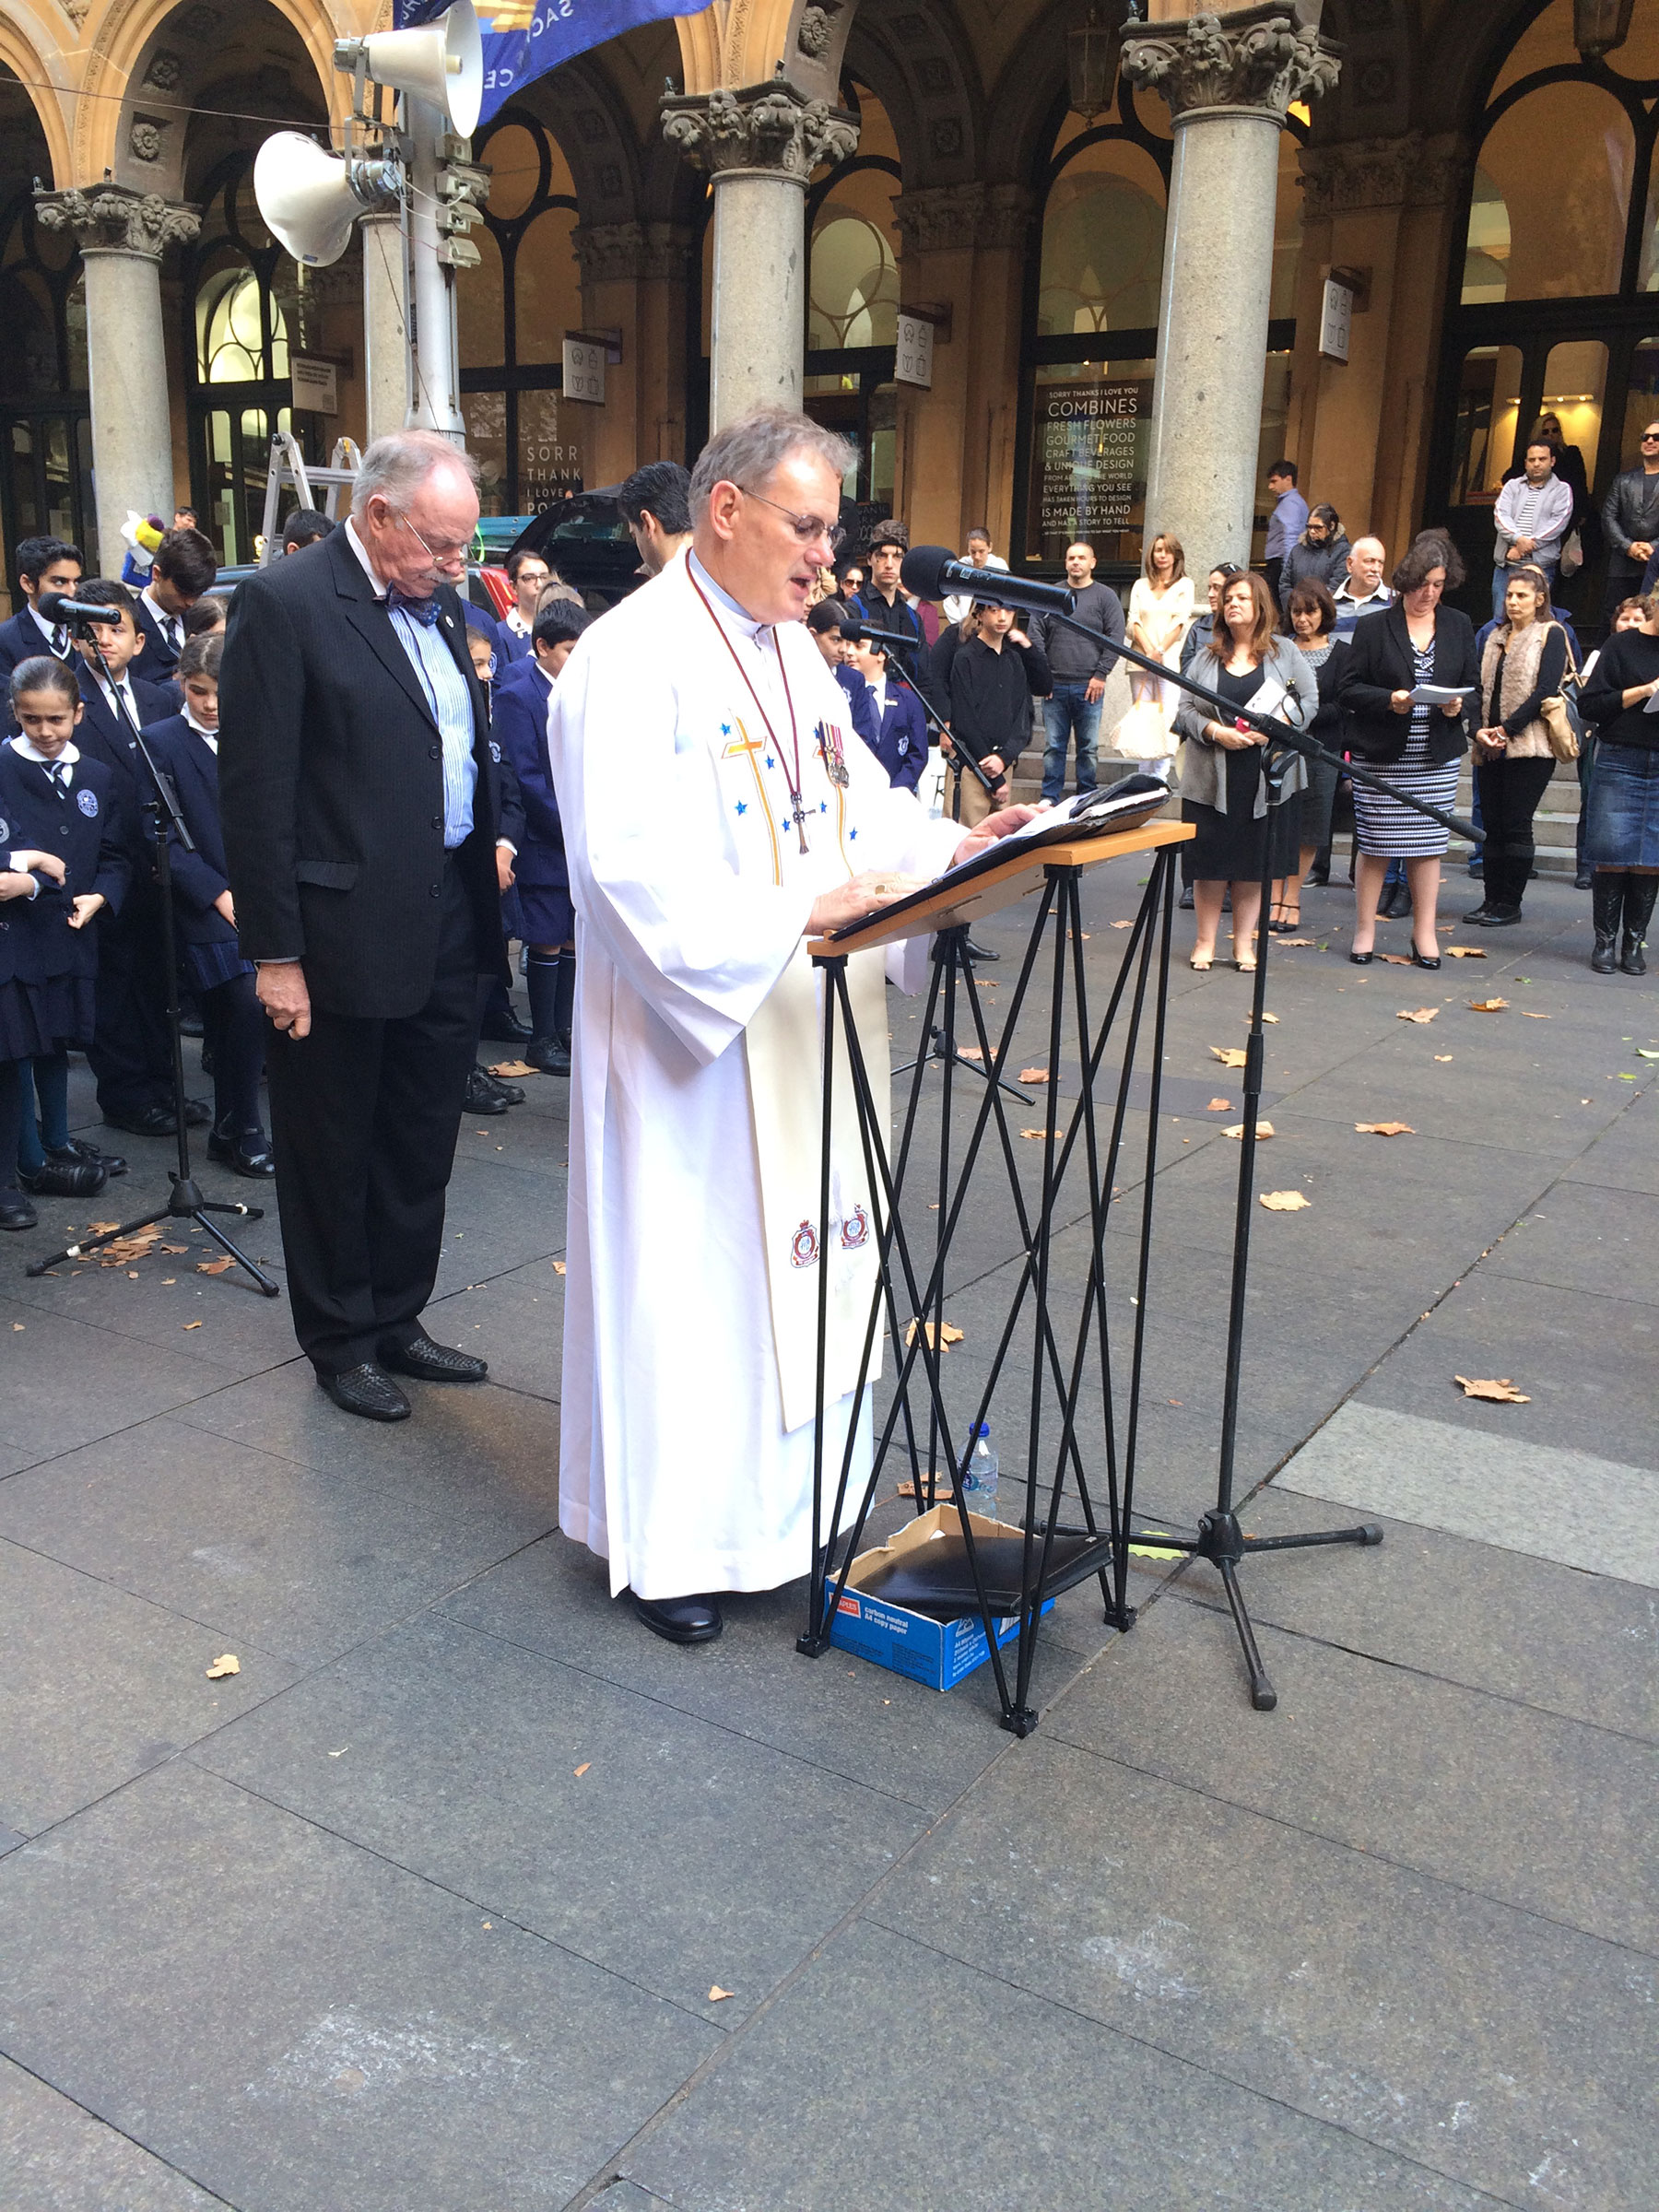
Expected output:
(718, 811)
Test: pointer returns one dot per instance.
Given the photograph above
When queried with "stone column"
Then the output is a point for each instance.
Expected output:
(122, 235)
(386, 349)
(1228, 82)
(760, 146)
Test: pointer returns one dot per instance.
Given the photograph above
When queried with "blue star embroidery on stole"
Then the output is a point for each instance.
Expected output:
(726, 729)
(824, 808)
(769, 761)
(851, 833)
(743, 805)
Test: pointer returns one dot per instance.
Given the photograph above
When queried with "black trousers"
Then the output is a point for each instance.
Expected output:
(364, 1116)
(131, 1054)
(1509, 793)
(233, 1025)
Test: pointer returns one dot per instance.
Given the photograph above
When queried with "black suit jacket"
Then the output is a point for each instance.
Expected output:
(20, 640)
(83, 827)
(331, 787)
(101, 737)
(198, 877)
(1379, 663)
(156, 659)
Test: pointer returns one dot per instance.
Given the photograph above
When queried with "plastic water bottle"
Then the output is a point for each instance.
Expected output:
(981, 1485)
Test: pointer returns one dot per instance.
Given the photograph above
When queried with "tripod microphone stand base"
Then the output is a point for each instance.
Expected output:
(186, 1202)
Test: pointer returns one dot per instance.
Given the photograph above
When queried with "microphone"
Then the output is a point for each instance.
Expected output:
(930, 572)
(56, 606)
(859, 632)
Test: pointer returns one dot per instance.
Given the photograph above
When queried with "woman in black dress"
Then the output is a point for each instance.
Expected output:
(1245, 830)
(1622, 840)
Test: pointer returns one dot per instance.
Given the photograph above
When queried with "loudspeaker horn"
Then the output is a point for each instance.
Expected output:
(442, 62)
(309, 199)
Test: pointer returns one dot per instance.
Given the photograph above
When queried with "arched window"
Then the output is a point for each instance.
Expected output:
(513, 310)
(853, 300)
(1554, 229)
(1102, 242)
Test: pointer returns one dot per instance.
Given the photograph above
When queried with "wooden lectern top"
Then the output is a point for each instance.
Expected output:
(1021, 874)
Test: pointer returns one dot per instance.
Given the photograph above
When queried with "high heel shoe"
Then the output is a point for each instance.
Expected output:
(1201, 967)
(1418, 961)
(1362, 959)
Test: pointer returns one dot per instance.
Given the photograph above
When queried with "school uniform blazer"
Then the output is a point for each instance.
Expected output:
(101, 737)
(900, 743)
(20, 640)
(1379, 663)
(156, 657)
(83, 827)
(331, 787)
(510, 647)
(198, 877)
(861, 704)
(520, 726)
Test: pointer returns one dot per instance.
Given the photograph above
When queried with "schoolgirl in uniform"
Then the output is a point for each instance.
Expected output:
(210, 961)
(65, 862)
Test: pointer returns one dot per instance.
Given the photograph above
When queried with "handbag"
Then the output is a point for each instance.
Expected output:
(1563, 722)
(1144, 733)
(1572, 554)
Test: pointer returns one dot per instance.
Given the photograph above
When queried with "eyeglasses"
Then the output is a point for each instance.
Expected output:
(808, 528)
(451, 554)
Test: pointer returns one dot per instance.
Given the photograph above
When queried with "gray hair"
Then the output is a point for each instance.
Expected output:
(747, 452)
(395, 466)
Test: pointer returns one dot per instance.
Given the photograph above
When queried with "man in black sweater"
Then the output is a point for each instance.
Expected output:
(993, 679)
(1078, 667)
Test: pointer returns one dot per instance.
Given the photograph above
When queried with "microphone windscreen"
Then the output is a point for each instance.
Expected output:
(923, 575)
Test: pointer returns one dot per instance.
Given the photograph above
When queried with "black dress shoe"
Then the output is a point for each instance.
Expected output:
(979, 952)
(484, 1093)
(1500, 917)
(1319, 877)
(198, 1114)
(512, 1092)
(1418, 961)
(507, 1028)
(366, 1391)
(681, 1619)
(1395, 901)
(16, 1211)
(551, 1055)
(146, 1120)
(432, 1362)
(1362, 959)
(1185, 901)
(1583, 881)
(62, 1179)
(78, 1148)
(246, 1151)
(1478, 913)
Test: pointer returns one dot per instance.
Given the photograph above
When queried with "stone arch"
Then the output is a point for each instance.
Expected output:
(162, 48)
(590, 119)
(920, 61)
(21, 56)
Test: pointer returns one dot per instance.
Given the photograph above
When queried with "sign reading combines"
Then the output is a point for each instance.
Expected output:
(525, 38)
(1088, 467)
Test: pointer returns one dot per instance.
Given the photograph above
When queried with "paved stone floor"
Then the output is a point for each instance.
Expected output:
(423, 1910)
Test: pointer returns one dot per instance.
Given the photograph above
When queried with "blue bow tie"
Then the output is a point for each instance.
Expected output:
(417, 610)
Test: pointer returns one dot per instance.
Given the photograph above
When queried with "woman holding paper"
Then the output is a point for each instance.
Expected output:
(1524, 661)
(1240, 821)
(1407, 687)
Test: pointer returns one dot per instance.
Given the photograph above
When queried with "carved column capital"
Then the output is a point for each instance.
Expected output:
(954, 217)
(1263, 58)
(113, 218)
(632, 252)
(770, 128)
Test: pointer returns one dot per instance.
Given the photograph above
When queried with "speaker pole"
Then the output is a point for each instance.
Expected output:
(437, 399)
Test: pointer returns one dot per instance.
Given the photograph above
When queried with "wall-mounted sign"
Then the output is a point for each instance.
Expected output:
(1088, 467)
(584, 368)
(316, 384)
(913, 351)
(1335, 317)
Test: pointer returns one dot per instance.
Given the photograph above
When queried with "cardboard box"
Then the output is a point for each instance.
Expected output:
(936, 1653)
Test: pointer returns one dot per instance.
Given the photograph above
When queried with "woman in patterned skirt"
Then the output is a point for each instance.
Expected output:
(1414, 641)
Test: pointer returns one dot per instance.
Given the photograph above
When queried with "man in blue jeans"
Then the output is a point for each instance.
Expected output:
(1078, 667)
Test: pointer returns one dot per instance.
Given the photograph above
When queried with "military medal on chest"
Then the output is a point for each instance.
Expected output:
(835, 761)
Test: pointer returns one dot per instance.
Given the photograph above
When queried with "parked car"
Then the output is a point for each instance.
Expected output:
(587, 541)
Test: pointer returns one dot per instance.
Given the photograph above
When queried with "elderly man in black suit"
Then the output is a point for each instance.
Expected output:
(360, 806)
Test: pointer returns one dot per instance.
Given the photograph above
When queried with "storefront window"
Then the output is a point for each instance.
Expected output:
(1488, 403)
(1091, 426)
(1554, 227)
(1642, 400)
(1575, 385)
(1102, 242)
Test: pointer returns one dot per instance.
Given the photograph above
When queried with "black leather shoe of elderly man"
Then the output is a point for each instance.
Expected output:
(681, 1619)
(368, 1392)
(429, 1362)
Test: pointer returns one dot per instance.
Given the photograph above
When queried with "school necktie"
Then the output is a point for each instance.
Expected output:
(59, 773)
(60, 642)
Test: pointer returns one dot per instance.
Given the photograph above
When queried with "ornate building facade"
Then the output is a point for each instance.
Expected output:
(1122, 246)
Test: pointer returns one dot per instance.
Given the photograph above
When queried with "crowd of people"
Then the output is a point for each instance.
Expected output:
(1371, 663)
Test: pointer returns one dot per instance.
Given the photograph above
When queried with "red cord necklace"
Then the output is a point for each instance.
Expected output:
(798, 804)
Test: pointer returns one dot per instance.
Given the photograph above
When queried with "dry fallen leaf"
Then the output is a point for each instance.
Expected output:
(214, 1266)
(1418, 1014)
(1467, 952)
(582, 1768)
(558, 1266)
(101, 1228)
(1500, 1393)
(1284, 1202)
(969, 1052)
(175, 1249)
(718, 1995)
(1033, 1133)
(1488, 1005)
(1394, 959)
(513, 1068)
(1443, 1057)
(1033, 1075)
(1285, 942)
(1383, 1129)
(1263, 1129)
(1219, 1106)
(947, 1334)
(192, 1325)
(226, 1664)
(18, 1327)
(1528, 1017)
(1230, 1055)
(1123, 925)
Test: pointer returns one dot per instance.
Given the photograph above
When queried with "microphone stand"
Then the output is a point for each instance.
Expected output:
(1220, 1540)
(185, 1199)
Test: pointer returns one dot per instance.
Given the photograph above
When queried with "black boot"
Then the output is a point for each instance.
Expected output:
(1606, 902)
(1640, 893)
(549, 1051)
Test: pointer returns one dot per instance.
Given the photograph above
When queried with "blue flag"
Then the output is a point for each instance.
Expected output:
(525, 38)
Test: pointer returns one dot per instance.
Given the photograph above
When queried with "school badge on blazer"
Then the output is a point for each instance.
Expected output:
(87, 803)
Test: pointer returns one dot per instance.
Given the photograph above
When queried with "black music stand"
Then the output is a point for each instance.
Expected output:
(1050, 1559)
